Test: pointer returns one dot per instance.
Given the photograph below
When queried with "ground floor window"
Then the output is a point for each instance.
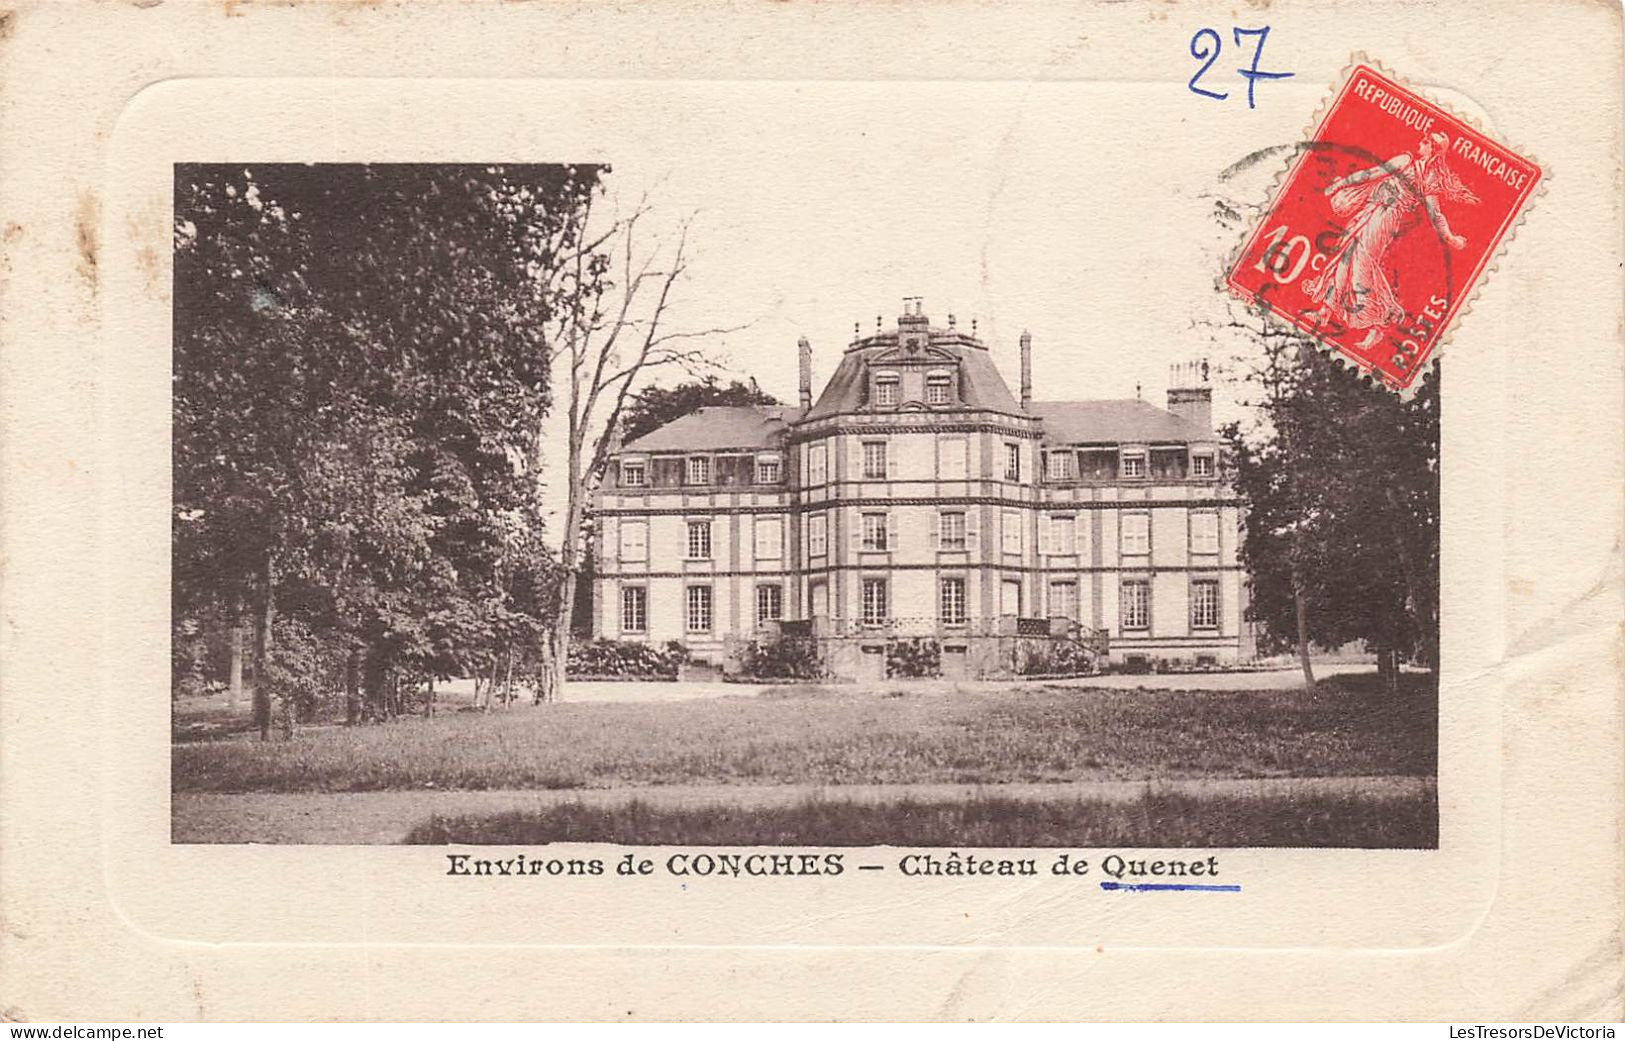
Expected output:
(1204, 604)
(1136, 604)
(769, 603)
(874, 601)
(634, 609)
(699, 609)
(1063, 600)
(952, 609)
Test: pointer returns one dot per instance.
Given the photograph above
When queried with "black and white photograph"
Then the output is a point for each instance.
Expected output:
(527, 504)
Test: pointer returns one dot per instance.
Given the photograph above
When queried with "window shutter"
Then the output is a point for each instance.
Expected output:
(857, 531)
(936, 530)
(891, 462)
(891, 530)
(973, 527)
(1046, 534)
(855, 469)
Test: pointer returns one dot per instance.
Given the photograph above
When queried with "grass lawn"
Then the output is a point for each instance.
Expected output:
(811, 735)
(1155, 819)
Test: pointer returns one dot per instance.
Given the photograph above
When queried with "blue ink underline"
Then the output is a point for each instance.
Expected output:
(1146, 887)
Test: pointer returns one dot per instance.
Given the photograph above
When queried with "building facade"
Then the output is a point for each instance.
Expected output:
(917, 497)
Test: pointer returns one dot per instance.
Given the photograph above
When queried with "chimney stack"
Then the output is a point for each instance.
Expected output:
(804, 350)
(1026, 371)
(1190, 396)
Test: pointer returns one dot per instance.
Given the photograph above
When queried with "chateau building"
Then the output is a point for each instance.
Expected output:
(917, 497)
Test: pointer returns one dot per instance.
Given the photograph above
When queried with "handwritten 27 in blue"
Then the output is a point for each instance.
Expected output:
(1205, 46)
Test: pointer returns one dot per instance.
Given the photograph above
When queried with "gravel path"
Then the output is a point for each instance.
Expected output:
(371, 818)
(597, 691)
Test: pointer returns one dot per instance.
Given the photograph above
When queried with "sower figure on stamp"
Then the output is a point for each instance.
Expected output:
(1353, 287)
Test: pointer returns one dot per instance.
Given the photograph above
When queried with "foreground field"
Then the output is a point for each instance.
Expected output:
(836, 736)
(1154, 818)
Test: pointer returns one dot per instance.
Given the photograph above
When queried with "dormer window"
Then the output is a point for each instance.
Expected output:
(1133, 464)
(767, 470)
(699, 470)
(938, 388)
(886, 388)
(1058, 466)
(1202, 464)
(633, 474)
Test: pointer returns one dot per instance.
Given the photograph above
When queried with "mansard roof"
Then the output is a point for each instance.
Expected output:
(980, 385)
(1130, 421)
(717, 427)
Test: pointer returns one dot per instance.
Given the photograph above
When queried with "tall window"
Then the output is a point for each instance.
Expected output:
(818, 600)
(769, 538)
(1136, 604)
(699, 540)
(634, 540)
(1133, 464)
(951, 458)
(699, 470)
(1063, 534)
(633, 475)
(817, 535)
(951, 531)
(634, 609)
(938, 385)
(1204, 533)
(1135, 534)
(699, 609)
(874, 531)
(874, 460)
(769, 603)
(1012, 461)
(1204, 604)
(886, 388)
(767, 471)
(951, 601)
(874, 601)
(1010, 531)
(1010, 597)
(1202, 464)
(1058, 465)
(1063, 600)
(817, 463)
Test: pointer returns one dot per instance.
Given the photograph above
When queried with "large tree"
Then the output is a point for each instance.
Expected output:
(1341, 481)
(360, 374)
(622, 283)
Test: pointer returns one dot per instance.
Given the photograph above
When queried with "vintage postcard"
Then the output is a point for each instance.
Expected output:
(1032, 504)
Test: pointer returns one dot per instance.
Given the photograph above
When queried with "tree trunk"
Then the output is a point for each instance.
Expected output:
(544, 670)
(1418, 600)
(262, 650)
(428, 700)
(289, 709)
(1301, 608)
(374, 680)
(234, 688)
(352, 687)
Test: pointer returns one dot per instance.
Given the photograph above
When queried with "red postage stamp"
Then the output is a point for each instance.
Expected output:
(1386, 220)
